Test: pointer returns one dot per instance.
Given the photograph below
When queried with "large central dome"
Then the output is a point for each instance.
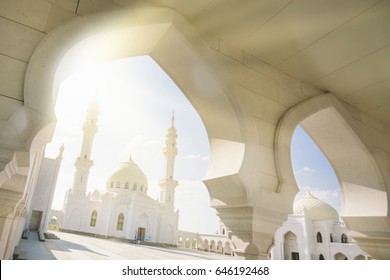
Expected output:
(315, 208)
(127, 177)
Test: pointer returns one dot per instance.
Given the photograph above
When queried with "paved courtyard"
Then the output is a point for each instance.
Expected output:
(80, 247)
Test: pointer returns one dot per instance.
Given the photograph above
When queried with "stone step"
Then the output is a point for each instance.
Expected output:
(25, 233)
(41, 236)
(50, 236)
(19, 254)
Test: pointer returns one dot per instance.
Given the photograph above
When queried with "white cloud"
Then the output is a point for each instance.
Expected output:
(193, 156)
(305, 169)
(134, 145)
(152, 142)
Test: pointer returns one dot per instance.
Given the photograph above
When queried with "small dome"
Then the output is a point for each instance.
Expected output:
(127, 177)
(315, 208)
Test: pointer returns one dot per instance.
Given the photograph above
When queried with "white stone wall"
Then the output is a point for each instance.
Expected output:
(307, 245)
(45, 187)
(133, 207)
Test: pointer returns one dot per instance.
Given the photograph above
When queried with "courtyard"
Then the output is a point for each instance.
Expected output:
(80, 247)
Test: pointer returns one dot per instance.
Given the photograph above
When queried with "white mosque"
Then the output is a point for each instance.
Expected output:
(124, 210)
(314, 232)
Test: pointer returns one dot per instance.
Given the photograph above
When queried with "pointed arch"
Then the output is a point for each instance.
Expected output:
(290, 246)
(120, 221)
(344, 238)
(220, 247)
(93, 219)
(319, 237)
(331, 127)
(194, 67)
(205, 245)
(340, 256)
(350, 150)
(199, 245)
(360, 257)
(193, 243)
(187, 243)
(213, 246)
(180, 241)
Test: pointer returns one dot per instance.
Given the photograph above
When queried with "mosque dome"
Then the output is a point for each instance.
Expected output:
(315, 208)
(126, 178)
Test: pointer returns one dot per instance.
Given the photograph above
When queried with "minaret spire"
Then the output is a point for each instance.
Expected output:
(168, 184)
(83, 163)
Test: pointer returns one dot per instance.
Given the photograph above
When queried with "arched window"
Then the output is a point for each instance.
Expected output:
(344, 238)
(126, 185)
(134, 187)
(223, 231)
(142, 188)
(360, 257)
(120, 222)
(290, 246)
(319, 237)
(118, 184)
(331, 238)
(321, 257)
(340, 256)
(93, 219)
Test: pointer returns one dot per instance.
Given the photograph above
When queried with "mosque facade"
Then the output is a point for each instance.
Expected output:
(314, 232)
(124, 210)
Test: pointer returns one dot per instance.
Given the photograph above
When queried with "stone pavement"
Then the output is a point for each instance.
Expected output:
(80, 247)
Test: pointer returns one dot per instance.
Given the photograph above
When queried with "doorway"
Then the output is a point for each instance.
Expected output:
(141, 233)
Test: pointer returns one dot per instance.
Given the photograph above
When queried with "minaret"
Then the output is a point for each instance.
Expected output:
(83, 163)
(168, 184)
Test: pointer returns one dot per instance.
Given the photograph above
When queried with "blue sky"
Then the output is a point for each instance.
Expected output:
(313, 171)
(136, 100)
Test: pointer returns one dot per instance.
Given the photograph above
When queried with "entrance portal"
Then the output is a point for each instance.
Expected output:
(141, 233)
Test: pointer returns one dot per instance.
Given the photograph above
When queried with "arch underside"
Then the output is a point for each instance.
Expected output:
(179, 50)
(338, 135)
(364, 192)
